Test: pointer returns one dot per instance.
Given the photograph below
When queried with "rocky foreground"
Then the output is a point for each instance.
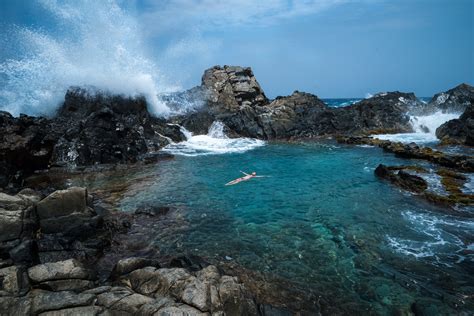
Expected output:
(49, 252)
(55, 245)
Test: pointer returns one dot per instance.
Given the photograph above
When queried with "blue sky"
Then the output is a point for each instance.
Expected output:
(333, 48)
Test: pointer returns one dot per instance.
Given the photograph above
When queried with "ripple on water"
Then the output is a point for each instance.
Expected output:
(432, 236)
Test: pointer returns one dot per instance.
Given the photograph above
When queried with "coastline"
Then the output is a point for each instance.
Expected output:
(96, 131)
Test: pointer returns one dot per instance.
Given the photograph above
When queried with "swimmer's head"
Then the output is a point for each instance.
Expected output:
(254, 173)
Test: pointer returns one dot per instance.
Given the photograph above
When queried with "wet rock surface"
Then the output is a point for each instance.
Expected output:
(236, 98)
(457, 99)
(413, 151)
(88, 129)
(459, 131)
(67, 276)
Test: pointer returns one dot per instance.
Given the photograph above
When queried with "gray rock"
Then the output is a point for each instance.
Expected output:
(75, 311)
(111, 297)
(15, 305)
(43, 301)
(145, 281)
(14, 280)
(128, 265)
(68, 269)
(131, 303)
(16, 217)
(180, 310)
(76, 285)
(63, 202)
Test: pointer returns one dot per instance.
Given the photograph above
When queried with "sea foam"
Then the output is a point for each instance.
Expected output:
(424, 127)
(90, 43)
(215, 142)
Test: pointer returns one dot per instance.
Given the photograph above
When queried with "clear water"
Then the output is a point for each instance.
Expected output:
(320, 219)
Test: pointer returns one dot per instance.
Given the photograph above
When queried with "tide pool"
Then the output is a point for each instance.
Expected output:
(321, 219)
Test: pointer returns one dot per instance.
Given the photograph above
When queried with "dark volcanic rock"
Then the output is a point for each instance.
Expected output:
(101, 128)
(413, 151)
(26, 145)
(458, 131)
(398, 176)
(454, 100)
(235, 98)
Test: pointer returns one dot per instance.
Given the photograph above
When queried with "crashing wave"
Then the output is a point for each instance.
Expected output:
(215, 142)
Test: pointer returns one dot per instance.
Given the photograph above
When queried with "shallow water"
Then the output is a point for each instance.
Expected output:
(321, 218)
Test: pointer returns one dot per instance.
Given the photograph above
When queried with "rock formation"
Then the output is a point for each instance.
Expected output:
(48, 250)
(453, 100)
(235, 97)
(459, 131)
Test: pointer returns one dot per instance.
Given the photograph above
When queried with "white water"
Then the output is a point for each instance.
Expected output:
(215, 142)
(431, 237)
(91, 43)
(424, 128)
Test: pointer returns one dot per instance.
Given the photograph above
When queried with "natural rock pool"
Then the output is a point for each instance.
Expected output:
(321, 219)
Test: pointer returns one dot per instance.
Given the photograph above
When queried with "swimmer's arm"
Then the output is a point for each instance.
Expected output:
(244, 173)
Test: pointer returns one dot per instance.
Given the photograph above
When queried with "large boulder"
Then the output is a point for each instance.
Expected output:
(68, 269)
(206, 290)
(233, 87)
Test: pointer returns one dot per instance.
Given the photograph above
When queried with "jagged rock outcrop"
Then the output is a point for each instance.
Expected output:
(456, 99)
(101, 128)
(89, 128)
(235, 97)
(26, 144)
(458, 131)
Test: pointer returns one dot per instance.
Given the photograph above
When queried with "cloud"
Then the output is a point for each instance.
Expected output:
(161, 16)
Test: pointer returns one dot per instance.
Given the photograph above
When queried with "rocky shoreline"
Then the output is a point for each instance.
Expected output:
(59, 245)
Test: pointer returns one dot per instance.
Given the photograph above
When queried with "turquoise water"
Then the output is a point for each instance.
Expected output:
(320, 219)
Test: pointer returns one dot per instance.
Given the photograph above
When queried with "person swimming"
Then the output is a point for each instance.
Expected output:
(244, 178)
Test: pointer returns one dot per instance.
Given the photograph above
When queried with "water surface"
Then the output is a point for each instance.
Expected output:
(321, 219)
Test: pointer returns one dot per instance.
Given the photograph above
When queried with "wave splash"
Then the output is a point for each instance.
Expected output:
(215, 142)
(424, 127)
(432, 237)
(93, 43)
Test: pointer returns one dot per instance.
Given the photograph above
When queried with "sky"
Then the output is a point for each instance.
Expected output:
(332, 48)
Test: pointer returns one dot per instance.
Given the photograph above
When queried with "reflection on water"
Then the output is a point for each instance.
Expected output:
(322, 219)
